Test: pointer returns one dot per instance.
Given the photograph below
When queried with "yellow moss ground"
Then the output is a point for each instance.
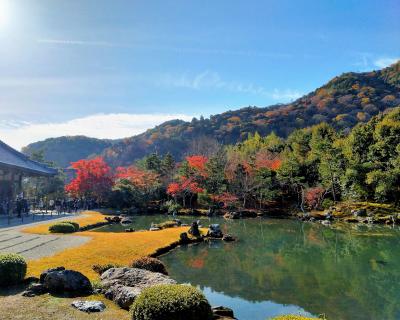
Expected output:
(103, 248)
(85, 219)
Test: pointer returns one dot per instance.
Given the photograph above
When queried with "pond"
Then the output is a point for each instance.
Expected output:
(285, 266)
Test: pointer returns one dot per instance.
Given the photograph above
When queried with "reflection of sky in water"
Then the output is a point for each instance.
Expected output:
(245, 310)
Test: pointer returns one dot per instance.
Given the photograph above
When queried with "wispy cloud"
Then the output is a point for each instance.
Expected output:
(110, 126)
(175, 49)
(212, 80)
(384, 62)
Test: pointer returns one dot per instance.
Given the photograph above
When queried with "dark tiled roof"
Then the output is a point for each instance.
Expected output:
(11, 158)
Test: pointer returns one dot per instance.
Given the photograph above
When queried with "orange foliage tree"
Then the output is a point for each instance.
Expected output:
(94, 178)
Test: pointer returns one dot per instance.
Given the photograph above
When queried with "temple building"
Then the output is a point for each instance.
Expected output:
(14, 166)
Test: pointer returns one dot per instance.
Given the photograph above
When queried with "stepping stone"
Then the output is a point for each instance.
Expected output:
(89, 306)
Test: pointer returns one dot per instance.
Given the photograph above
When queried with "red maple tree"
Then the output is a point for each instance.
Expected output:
(93, 178)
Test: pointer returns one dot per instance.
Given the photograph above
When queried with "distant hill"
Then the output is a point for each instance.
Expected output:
(342, 102)
(64, 150)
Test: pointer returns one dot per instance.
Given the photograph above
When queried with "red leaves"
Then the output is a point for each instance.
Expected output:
(228, 199)
(313, 197)
(198, 163)
(93, 178)
(174, 189)
(267, 160)
(138, 177)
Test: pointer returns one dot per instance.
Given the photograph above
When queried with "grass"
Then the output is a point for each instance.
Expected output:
(47, 307)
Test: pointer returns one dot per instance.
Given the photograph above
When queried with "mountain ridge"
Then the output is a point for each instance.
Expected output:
(342, 102)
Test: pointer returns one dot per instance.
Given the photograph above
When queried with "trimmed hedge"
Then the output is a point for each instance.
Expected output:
(75, 224)
(62, 227)
(150, 264)
(12, 269)
(171, 302)
(101, 268)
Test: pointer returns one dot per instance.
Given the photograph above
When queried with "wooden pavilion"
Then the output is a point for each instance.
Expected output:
(14, 166)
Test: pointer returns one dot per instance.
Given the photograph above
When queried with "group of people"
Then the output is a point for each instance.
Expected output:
(23, 206)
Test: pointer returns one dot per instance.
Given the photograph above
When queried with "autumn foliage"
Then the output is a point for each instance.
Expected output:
(94, 178)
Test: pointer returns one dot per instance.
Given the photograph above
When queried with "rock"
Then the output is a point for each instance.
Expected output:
(130, 230)
(35, 289)
(194, 229)
(228, 238)
(178, 222)
(184, 225)
(123, 285)
(232, 215)
(326, 223)
(222, 311)
(214, 231)
(184, 238)
(359, 212)
(154, 229)
(89, 306)
(69, 281)
(126, 221)
(46, 272)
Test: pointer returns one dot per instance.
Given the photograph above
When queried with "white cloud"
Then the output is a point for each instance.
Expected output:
(385, 62)
(105, 126)
(210, 79)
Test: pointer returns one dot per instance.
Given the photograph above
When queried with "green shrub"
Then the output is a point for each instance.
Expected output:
(150, 264)
(12, 269)
(101, 268)
(327, 203)
(167, 224)
(76, 225)
(62, 227)
(171, 206)
(171, 302)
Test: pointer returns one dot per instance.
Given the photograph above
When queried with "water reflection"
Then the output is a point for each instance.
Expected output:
(286, 266)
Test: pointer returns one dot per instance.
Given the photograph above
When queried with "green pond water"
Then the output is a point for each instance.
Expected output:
(284, 266)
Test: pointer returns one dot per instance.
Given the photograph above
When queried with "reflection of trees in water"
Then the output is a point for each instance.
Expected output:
(343, 273)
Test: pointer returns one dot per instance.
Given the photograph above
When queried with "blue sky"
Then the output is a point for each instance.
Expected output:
(72, 66)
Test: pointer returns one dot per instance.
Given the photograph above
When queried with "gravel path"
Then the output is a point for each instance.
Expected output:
(33, 246)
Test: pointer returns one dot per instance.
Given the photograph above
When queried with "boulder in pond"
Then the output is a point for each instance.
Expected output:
(222, 313)
(123, 285)
(194, 229)
(67, 281)
(359, 212)
(184, 238)
(228, 238)
(232, 215)
(214, 231)
(89, 306)
(126, 221)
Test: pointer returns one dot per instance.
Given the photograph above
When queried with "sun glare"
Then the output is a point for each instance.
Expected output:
(4, 12)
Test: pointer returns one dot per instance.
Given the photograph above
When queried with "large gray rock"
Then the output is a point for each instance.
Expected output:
(123, 285)
(89, 306)
(214, 231)
(67, 281)
(46, 272)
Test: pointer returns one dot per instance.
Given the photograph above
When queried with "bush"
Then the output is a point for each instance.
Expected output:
(150, 264)
(171, 302)
(171, 206)
(167, 224)
(12, 269)
(101, 268)
(76, 225)
(62, 227)
(327, 203)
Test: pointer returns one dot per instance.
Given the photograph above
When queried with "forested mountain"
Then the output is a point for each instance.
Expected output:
(64, 150)
(343, 102)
